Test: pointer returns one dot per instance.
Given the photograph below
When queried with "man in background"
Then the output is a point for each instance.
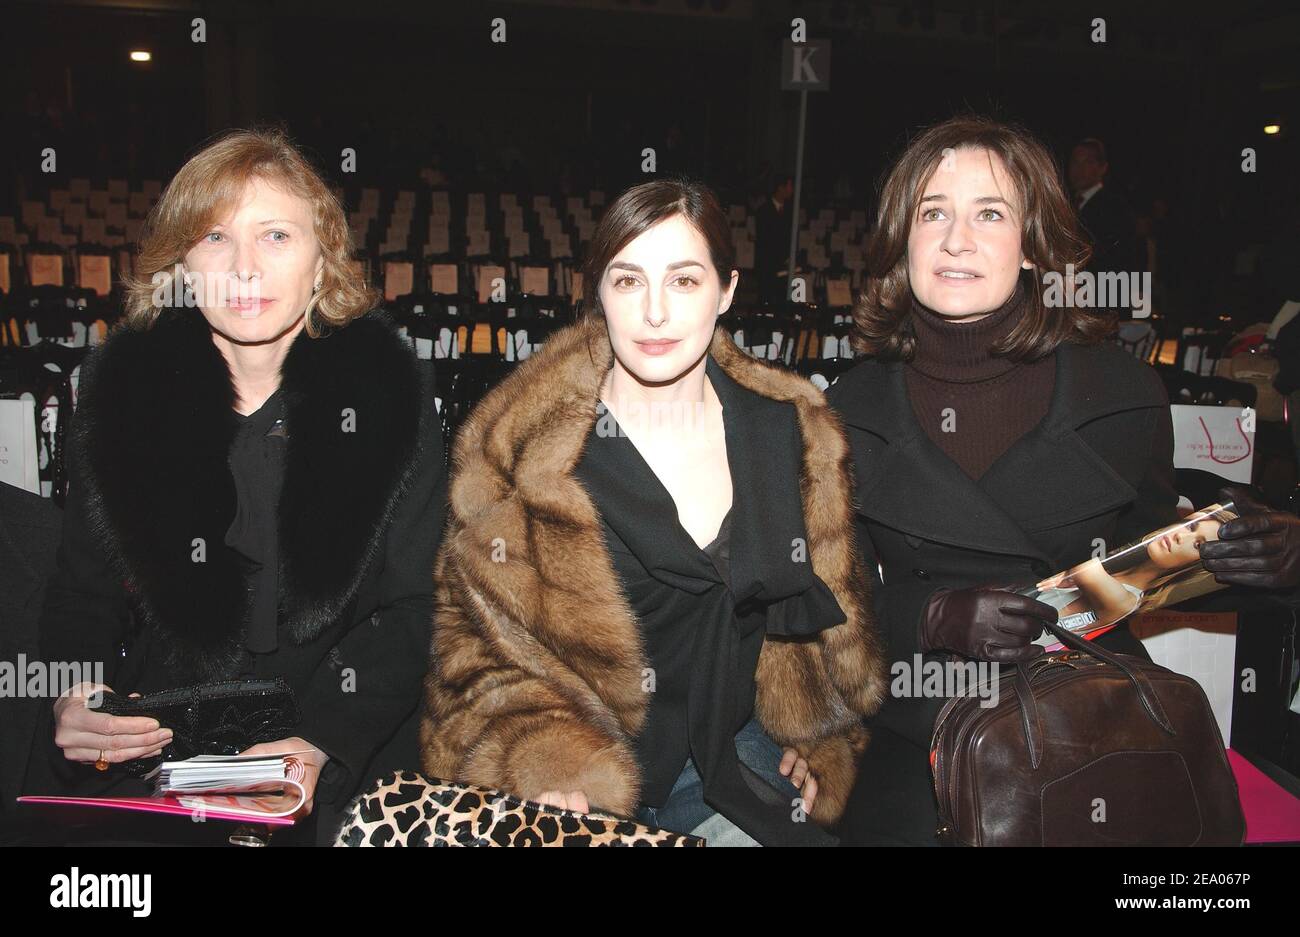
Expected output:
(772, 239)
(1106, 216)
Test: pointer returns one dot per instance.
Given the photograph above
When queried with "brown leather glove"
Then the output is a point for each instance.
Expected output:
(1260, 548)
(984, 623)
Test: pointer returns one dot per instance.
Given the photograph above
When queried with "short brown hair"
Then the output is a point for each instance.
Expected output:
(641, 208)
(1050, 238)
(205, 188)
(1094, 146)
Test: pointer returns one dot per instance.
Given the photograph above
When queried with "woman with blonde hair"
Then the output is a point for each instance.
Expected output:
(257, 486)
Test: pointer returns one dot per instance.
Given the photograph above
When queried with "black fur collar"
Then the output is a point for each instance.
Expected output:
(154, 426)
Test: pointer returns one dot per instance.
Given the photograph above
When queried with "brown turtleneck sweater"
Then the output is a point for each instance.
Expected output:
(992, 401)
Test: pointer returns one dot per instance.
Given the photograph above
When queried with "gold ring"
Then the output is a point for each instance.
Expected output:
(102, 763)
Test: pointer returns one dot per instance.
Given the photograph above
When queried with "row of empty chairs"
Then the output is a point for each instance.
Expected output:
(421, 225)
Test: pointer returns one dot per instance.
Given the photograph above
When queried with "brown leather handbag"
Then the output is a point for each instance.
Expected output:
(1084, 747)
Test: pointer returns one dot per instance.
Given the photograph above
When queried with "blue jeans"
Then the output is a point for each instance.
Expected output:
(685, 810)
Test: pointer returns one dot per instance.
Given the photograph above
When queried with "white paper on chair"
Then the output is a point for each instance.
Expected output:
(1220, 440)
(1201, 645)
(19, 456)
(446, 347)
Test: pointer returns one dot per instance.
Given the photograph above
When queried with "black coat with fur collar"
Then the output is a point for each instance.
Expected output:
(359, 523)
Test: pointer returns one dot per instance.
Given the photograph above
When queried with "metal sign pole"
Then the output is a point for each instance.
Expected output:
(798, 191)
(799, 74)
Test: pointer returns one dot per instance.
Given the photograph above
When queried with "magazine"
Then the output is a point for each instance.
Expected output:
(1163, 568)
(264, 788)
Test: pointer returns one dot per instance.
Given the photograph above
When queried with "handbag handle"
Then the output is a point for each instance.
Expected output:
(1032, 722)
(1029, 718)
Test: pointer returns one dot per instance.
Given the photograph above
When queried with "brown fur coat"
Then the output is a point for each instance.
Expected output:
(536, 678)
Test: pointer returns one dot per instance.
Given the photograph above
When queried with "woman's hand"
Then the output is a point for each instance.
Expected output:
(575, 800)
(795, 768)
(312, 758)
(984, 623)
(85, 735)
(1260, 548)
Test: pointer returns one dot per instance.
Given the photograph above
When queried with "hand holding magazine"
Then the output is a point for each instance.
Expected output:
(1163, 568)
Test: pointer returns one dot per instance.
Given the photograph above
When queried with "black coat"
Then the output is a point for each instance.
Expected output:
(1099, 466)
(29, 537)
(359, 523)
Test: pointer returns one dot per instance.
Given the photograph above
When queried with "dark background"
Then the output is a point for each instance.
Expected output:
(581, 86)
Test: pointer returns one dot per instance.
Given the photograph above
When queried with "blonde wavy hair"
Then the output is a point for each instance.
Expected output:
(207, 188)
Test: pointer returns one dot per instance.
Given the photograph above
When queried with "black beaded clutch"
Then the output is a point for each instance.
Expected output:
(221, 718)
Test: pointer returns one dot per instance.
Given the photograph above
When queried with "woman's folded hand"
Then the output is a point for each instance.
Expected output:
(795, 768)
(574, 800)
(86, 736)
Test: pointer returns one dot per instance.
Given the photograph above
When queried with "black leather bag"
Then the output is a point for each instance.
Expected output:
(1084, 747)
(221, 718)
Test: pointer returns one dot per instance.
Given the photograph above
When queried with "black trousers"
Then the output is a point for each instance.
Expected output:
(892, 802)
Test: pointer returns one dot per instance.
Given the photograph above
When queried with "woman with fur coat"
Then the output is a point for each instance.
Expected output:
(649, 601)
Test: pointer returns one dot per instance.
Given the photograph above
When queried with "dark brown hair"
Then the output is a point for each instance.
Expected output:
(1049, 237)
(641, 208)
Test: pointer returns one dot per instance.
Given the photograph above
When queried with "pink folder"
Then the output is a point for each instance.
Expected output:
(169, 804)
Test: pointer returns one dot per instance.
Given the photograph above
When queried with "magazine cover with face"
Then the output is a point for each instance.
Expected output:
(1163, 568)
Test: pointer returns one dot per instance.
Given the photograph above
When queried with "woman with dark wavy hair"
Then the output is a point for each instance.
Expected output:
(648, 601)
(997, 439)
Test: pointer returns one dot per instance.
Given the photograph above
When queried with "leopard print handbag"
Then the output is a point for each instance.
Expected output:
(407, 808)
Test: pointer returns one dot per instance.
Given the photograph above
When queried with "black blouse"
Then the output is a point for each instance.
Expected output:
(669, 616)
(703, 614)
(257, 466)
(719, 551)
